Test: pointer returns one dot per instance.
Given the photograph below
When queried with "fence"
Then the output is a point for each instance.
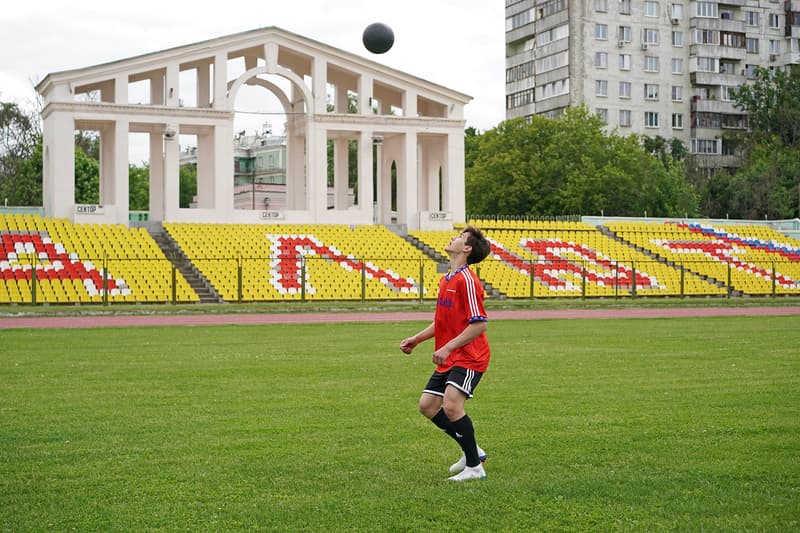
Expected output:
(313, 278)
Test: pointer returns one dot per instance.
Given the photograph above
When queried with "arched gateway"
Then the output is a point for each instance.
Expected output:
(398, 120)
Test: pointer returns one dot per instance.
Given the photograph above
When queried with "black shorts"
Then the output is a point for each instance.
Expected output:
(459, 377)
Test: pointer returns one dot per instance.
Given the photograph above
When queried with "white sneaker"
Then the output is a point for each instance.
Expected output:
(469, 472)
(459, 465)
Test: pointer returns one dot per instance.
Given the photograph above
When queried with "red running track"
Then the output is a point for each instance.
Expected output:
(321, 318)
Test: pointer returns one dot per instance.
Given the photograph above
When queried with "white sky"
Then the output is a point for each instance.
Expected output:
(456, 43)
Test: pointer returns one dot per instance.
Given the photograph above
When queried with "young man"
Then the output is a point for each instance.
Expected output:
(461, 351)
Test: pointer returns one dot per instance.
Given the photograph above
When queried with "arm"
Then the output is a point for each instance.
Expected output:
(470, 333)
(408, 345)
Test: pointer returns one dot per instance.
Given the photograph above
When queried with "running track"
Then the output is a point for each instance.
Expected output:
(324, 318)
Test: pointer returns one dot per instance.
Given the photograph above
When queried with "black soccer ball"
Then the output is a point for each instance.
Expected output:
(378, 38)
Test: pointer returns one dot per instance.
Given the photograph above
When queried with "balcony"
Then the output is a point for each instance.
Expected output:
(716, 79)
(729, 25)
(716, 161)
(713, 106)
(713, 50)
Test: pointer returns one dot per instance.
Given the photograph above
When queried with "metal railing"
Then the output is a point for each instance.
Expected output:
(107, 280)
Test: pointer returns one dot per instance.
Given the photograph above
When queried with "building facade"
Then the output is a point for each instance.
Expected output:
(650, 67)
(408, 134)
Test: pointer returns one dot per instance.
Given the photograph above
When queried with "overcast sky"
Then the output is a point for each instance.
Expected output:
(455, 43)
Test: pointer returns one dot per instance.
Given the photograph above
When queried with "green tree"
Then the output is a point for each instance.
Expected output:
(87, 178)
(772, 103)
(188, 185)
(768, 182)
(571, 166)
(138, 188)
(20, 156)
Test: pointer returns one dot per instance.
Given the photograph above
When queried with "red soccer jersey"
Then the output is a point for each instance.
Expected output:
(460, 303)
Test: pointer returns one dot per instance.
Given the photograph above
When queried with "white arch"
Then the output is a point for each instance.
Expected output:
(278, 71)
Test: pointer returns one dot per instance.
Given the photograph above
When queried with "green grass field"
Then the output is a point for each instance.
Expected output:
(638, 424)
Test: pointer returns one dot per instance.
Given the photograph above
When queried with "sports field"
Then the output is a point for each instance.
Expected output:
(590, 424)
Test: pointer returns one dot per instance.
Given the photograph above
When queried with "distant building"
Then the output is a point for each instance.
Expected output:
(650, 67)
(259, 171)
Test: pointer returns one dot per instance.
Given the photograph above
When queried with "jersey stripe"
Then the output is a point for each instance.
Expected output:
(472, 298)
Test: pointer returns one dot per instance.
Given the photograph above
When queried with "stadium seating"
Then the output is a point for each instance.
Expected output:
(57, 262)
(46, 260)
(337, 262)
(570, 259)
(752, 260)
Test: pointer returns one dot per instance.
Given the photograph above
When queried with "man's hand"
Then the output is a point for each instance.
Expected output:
(407, 345)
(441, 355)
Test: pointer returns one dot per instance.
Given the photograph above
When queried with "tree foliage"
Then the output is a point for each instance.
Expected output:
(571, 166)
(768, 182)
(20, 156)
(139, 188)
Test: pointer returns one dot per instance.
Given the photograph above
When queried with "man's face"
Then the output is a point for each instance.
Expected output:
(458, 243)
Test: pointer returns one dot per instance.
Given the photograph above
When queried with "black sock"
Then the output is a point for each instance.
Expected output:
(465, 435)
(443, 423)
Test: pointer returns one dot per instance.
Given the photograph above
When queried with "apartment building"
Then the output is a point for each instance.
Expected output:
(651, 67)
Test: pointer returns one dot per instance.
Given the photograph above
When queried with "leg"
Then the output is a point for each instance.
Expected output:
(430, 404)
(454, 401)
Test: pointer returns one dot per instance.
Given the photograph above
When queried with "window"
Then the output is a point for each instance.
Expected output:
(549, 90)
(520, 19)
(603, 114)
(624, 89)
(651, 9)
(676, 11)
(774, 46)
(601, 87)
(735, 40)
(624, 7)
(601, 6)
(624, 34)
(677, 65)
(707, 64)
(650, 91)
(601, 32)
(706, 9)
(750, 71)
(624, 61)
(601, 59)
(553, 34)
(650, 36)
(551, 62)
(677, 93)
(704, 146)
(677, 121)
(519, 99)
(774, 21)
(625, 117)
(650, 119)
(706, 37)
(651, 63)
(751, 18)
(550, 7)
(519, 72)
(728, 93)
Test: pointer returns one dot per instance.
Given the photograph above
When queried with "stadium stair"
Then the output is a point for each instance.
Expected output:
(196, 280)
(613, 235)
(442, 264)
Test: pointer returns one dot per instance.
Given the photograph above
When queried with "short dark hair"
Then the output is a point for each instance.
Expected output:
(480, 246)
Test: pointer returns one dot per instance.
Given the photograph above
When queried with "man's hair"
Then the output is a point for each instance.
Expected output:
(480, 246)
